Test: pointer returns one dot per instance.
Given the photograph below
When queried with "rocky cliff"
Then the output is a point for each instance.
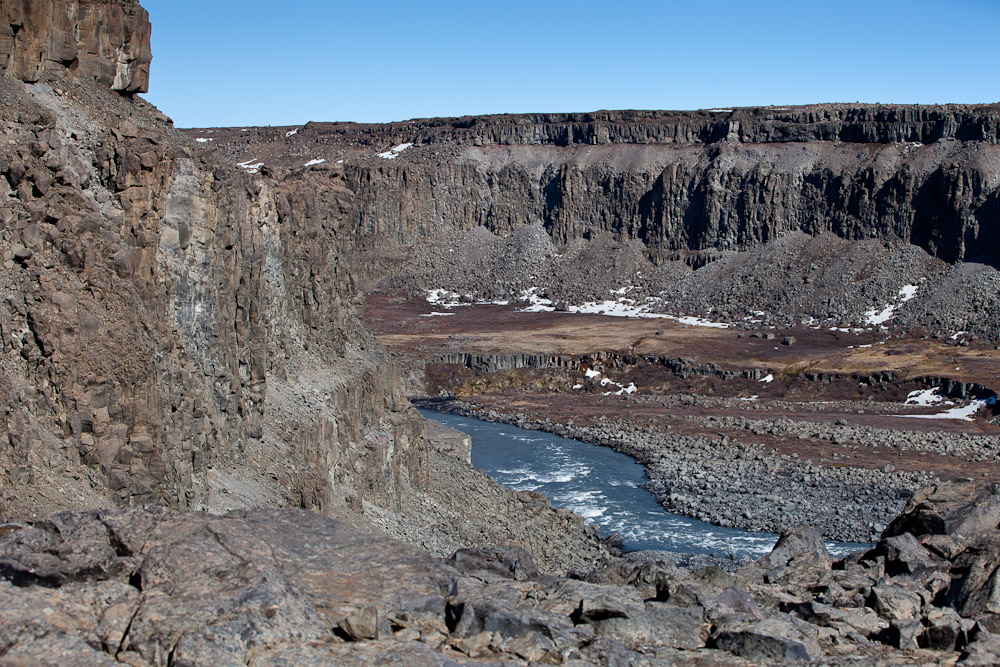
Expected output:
(103, 40)
(680, 182)
(173, 330)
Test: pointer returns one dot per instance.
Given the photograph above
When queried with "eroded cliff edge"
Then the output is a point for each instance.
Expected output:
(680, 182)
(173, 330)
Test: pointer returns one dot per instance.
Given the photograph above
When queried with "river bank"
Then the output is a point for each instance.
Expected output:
(735, 484)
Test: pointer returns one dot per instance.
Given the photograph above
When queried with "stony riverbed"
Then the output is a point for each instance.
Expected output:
(738, 484)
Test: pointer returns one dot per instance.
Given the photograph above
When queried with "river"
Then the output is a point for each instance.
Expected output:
(604, 486)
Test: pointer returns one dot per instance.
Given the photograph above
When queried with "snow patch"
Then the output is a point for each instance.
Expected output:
(291, 133)
(435, 314)
(591, 373)
(925, 397)
(201, 140)
(767, 378)
(393, 152)
(962, 412)
(621, 308)
(313, 163)
(251, 166)
(876, 317)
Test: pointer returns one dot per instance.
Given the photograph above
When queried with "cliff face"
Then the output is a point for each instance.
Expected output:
(680, 182)
(103, 40)
(173, 330)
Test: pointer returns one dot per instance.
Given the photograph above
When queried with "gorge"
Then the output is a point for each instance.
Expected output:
(209, 337)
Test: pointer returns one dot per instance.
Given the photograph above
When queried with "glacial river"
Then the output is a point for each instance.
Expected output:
(604, 486)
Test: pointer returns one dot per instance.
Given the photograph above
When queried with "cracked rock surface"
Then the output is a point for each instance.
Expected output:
(153, 586)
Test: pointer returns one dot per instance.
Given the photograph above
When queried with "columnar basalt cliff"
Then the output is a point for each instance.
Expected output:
(680, 182)
(173, 330)
(103, 40)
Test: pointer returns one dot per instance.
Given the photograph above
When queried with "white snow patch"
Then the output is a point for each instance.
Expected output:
(251, 166)
(907, 292)
(291, 133)
(957, 334)
(876, 317)
(963, 412)
(720, 110)
(442, 297)
(435, 314)
(201, 140)
(591, 373)
(925, 397)
(393, 152)
(699, 322)
(767, 378)
(313, 163)
(630, 389)
(750, 398)
(578, 386)
(621, 308)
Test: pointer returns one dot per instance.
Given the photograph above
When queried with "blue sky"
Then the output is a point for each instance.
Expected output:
(250, 62)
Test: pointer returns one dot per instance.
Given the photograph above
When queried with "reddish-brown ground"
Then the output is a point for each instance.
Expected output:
(404, 327)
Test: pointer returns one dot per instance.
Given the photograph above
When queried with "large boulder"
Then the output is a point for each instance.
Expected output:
(960, 510)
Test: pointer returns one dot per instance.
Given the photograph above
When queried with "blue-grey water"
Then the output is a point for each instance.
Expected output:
(604, 486)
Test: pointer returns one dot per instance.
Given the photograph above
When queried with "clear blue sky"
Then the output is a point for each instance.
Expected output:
(250, 62)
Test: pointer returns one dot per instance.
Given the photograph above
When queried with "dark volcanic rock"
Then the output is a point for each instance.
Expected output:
(507, 562)
(136, 585)
(103, 40)
(187, 335)
(950, 510)
(679, 181)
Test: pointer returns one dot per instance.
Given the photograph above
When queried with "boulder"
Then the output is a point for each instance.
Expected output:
(774, 639)
(798, 553)
(507, 562)
(892, 602)
(905, 555)
(960, 510)
(657, 625)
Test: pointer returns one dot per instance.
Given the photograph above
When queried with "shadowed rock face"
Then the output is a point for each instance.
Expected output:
(103, 40)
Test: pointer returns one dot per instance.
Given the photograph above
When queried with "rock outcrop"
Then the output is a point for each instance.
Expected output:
(680, 182)
(154, 586)
(173, 330)
(103, 40)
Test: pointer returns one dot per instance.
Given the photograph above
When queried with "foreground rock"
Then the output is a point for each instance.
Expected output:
(152, 586)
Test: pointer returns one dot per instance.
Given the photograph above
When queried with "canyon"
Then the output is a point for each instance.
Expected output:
(208, 339)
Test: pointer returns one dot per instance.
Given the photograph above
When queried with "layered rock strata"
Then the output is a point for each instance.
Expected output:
(679, 182)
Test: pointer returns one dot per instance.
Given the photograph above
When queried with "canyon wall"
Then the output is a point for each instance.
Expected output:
(103, 40)
(683, 183)
(173, 330)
